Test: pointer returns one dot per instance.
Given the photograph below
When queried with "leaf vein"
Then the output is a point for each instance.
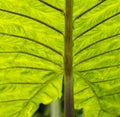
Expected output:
(96, 42)
(91, 8)
(13, 100)
(32, 40)
(26, 67)
(98, 55)
(100, 68)
(34, 19)
(103, 81)
(91, 28)
(56, 8)
(34, 55)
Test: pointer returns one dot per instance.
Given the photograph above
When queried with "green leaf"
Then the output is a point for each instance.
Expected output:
(32, 53)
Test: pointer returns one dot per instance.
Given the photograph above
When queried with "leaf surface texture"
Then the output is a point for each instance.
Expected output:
(32, 53)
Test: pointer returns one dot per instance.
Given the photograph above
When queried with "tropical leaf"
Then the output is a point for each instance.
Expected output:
(32, 53)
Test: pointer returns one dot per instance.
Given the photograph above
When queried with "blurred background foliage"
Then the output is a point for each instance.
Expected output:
(55, 109)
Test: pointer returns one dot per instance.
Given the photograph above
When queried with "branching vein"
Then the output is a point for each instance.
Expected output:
(26, 67)
(91, 28)
(91, 8)
(30, 54)
(34, 19)
(15, 100)
(101, 68)
(104, 81)
(56, 8)
(96, 42)
(98, 55)
(30, 39)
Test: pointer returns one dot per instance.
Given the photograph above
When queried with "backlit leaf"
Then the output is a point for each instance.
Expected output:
(32, 54)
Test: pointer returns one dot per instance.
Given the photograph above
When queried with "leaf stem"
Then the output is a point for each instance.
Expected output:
(55, 109)
(68, 75)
